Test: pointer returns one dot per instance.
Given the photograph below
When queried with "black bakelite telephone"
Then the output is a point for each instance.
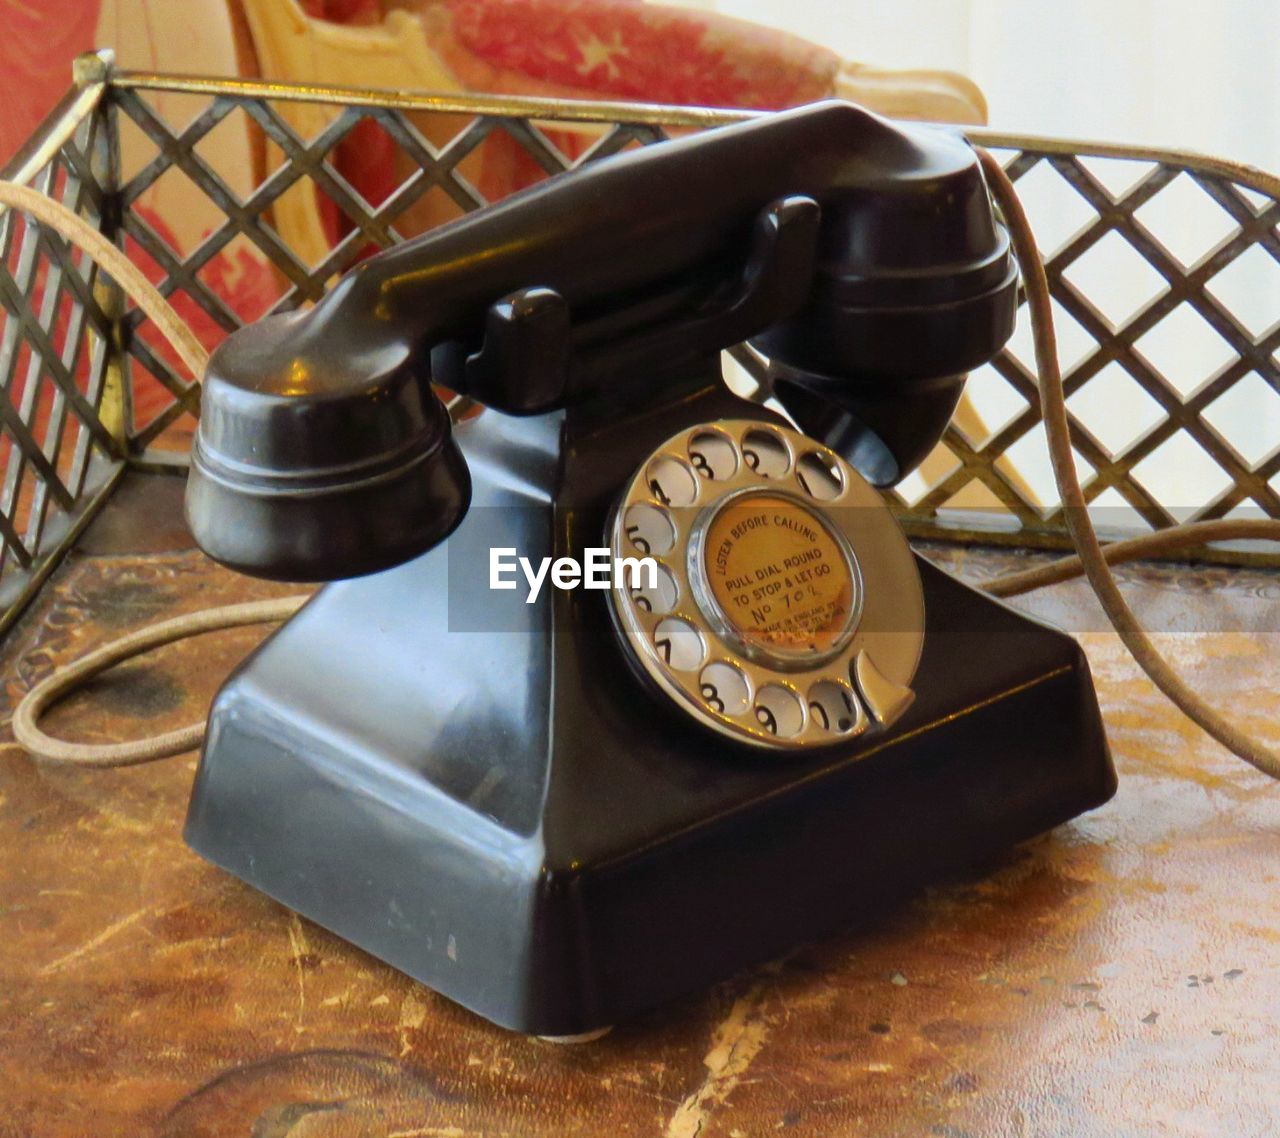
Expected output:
(564, 808)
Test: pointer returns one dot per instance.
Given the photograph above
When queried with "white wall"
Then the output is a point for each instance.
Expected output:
(1199, 74)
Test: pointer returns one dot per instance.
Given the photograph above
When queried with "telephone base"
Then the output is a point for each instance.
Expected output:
(559, 855)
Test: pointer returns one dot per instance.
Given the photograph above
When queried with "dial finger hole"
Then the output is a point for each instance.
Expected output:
(765, 453)
(671, 481)
(724, 689)
(835, 708)
(679, 644)
(779, 711)
(657, 594)
(713, 456)
(649, 530)
(820, 477)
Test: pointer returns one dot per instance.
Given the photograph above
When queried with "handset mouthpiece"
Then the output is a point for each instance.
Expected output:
(301, 474)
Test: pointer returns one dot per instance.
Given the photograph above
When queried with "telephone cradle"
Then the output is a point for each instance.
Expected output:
(565, 809)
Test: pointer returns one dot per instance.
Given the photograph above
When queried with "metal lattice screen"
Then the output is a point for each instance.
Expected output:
(1165, 276)
(1143, 250)
(302, 167)
(61, 444)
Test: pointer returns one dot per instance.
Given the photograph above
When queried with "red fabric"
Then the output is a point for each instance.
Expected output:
(631, 50)
(247, 286)
(615, 49)
(611, 49)
(38, 41)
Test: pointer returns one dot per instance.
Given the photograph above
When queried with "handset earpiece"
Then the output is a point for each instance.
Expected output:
(915, 286)
(299, 473)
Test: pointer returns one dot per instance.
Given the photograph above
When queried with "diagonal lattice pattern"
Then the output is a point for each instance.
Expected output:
(1165, 271)
(308, 163)
(60, 444)
(1173, 294)
(981, 474)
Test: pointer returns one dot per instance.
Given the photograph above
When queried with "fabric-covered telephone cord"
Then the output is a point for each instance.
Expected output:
(1092, 559)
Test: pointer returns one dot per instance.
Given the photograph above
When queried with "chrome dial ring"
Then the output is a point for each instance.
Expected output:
(786, 610)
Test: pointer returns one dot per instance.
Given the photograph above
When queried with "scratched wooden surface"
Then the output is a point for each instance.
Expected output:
(1120, 976)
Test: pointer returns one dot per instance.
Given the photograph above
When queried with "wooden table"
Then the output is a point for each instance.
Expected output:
(1118, 977)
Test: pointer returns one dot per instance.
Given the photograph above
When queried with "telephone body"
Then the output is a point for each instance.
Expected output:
(565, 812)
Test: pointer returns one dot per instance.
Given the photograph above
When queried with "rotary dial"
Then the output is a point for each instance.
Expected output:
(786, 609)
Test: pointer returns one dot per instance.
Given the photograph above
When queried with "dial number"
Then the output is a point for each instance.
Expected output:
(779, 711)
(820, 477)
(725, 689)
(835, 708)
(765, 454)
(714, 456)
(649, 530)
(679, 644)
(658, 597)
(671, 481)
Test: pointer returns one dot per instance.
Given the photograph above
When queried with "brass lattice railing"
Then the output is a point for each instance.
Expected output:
(62, 440)
(1147, 251)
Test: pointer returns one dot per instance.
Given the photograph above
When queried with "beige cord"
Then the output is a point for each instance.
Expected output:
(1074, 507)
(83, 235)
(1162, 541)
(26, 718)
(1091, 560)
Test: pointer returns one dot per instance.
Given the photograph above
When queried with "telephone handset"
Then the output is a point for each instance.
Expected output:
(561, 828)
(862, 257)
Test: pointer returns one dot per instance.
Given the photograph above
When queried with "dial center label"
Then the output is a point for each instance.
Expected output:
(778, 575)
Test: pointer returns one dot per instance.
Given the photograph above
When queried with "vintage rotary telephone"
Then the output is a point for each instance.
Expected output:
(563, 812)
